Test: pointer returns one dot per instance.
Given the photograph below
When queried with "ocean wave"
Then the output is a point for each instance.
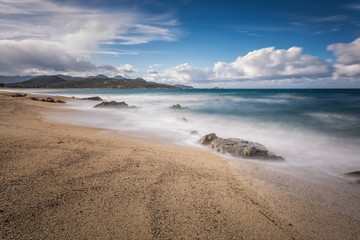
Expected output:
(289, 96)
(331, 117)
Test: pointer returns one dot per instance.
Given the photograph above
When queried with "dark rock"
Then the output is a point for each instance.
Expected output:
(60, 101)
(49, 99)
(238, 147)
(113, 104)
(34, 99)
(178, 106)
(96, 98)
(353, 177)
(18, 95)
(353, 174)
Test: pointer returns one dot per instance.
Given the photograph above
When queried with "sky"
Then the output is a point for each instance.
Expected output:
(212, 43)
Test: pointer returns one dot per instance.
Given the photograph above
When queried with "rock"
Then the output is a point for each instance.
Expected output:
(96, 98)
(18, 95)
(60, 101)
(184, 119)
(353, 177)
(49, 99)
(207, 139)
(113, 104)
(353, 174)
(238, 147)
(34, 99)
(194, 132)
(177, 106)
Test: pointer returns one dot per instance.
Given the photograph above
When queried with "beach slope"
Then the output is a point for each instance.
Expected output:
(61, 181)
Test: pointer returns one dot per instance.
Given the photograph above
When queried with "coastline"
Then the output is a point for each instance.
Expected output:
(66, 181)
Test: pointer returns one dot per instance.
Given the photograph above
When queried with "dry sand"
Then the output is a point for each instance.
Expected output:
(61, 181)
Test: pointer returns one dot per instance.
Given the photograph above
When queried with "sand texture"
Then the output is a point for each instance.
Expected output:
(61, 181)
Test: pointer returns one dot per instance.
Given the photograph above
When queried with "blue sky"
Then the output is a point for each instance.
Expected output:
(200, 43)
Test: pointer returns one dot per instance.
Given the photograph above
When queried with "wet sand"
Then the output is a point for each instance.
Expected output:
(60, 181)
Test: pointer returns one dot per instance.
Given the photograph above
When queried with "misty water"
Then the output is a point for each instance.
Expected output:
(316, 130)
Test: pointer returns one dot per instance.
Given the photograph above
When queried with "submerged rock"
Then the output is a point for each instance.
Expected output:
(177, 106)
(96, 98)
(113, 104)
(238, 147)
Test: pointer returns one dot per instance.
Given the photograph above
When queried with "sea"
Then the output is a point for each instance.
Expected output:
(314, 130)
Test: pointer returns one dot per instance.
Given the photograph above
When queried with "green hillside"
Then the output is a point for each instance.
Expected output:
(56, 81)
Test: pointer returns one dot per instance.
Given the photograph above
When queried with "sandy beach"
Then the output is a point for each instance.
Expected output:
(60, 181)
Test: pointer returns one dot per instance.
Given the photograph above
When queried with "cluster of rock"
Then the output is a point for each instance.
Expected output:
(18, 95)
(96, 98)
(238, 147)
(177, 106)
(49, 99)
(113, 104)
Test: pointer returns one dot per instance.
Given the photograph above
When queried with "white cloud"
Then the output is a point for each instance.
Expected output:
(73, 32)
(183, 73)
(348, 58)
(265, 65)
(271, 64)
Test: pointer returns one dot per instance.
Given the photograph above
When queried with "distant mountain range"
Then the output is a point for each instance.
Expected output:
(99, 81)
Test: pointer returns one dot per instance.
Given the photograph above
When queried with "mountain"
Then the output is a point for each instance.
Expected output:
(37, 82)
(141, 79)
(118, 77)
(55, 81)
(66, 77)
(99, 76)
(14, 79)
(183, 86)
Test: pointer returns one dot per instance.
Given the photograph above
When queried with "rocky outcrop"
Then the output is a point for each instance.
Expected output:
(177, 106)
(18, 95)
(96, 98)
(238, 147)
(49, 99)
(113, 104)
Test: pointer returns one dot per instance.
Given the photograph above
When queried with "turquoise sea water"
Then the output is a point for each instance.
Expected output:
(311, 128)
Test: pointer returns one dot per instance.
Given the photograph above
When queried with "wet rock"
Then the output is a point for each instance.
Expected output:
(177, 106)
(353, 177)
(237, 147)
(353, 174)
(18, 95)
(60, 101)
(194, 132)
(184, 119)
(96, 98)
(207, 139)
(34, 99)
(49, 99)
(113, 104)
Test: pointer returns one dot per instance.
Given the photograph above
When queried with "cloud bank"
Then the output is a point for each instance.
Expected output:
(40, 34)
(348, 58)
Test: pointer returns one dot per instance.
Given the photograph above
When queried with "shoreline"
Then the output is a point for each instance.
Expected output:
(114, 185)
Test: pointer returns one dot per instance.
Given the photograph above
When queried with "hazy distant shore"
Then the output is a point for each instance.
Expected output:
(66, 181)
